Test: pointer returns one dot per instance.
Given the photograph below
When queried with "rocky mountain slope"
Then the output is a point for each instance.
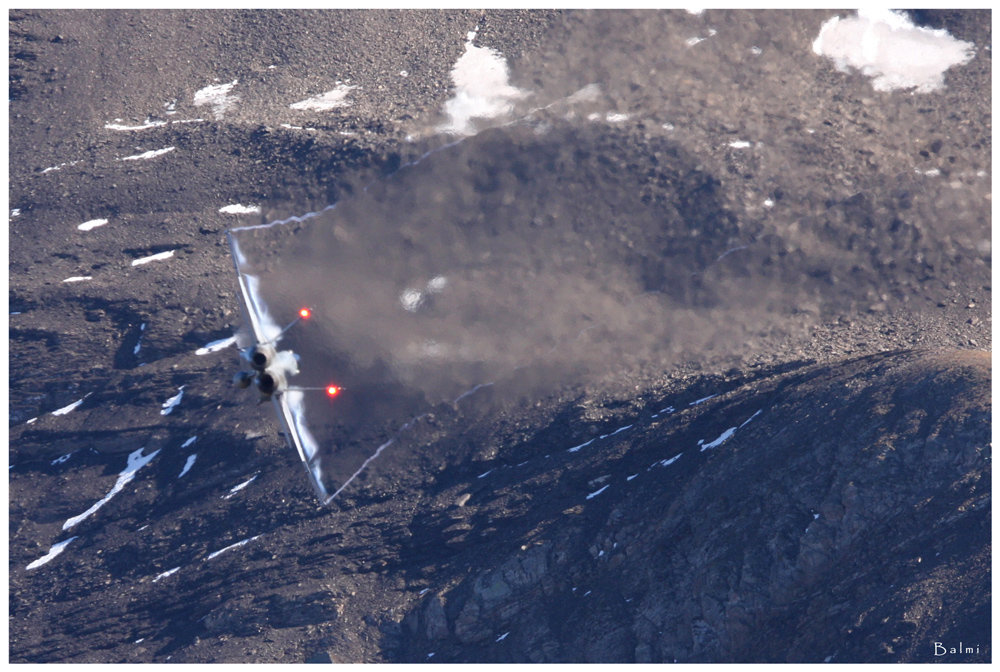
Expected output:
(789, 460)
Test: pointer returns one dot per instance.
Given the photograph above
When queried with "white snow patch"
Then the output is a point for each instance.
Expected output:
(215, 346)
(486, 474)
(169, 404)
(886, 46)
(53, 552)
(691, 41)
(136, 461)
(695, 403)
(631, 477)
(218, 96)
(138, 344)
(166, 574)
(237, 209)
(582, 445)
(482, 89)
(667, 462)
(153, 257)
(92, 224)
(326, 101)
(620, 429)
(17, 211)
(502, 637)
(232, 546)
(616, 118)
(30, 422)
(60, 166)
(78, 278)
(749, 419)
(66, 409)
(153, 153)
(239, 487)
(142, 127)
(725, 435)
(739, 144)
(189, 441)
(768, 203)
(188, 464)
(597, 492)
(60, 460)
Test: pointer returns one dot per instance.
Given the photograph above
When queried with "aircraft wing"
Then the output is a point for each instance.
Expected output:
(288, 403)
(291, 411)
(255, 314)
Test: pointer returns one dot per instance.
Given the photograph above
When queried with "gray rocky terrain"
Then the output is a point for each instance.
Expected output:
(729, 305)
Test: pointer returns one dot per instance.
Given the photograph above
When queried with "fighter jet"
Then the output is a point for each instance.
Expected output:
(271, 368)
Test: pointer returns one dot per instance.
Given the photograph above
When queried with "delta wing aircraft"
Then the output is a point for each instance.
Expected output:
(270, 369)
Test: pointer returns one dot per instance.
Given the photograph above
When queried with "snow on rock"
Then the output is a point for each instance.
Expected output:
(582, 445)
(886, 46)
(749, 419)
(597, 492)
(153, 153)
(189, 442)
(60, 166)
(153, 257)
(719, 441)
(136, 461)
(239, 487)
(138, 343)
(53, 552)
(188, 464)
(232, 546)
(171, 403)
(238, 209)
(326, 101)
(66, 409)
(215, 346)
(669, 461)
(165, 574)
(482, 89)
(218, 96)
(79, 278)
(141, 127)
(92, 224)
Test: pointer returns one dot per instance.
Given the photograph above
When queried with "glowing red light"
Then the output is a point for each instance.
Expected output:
(305, 313)
(332, 390)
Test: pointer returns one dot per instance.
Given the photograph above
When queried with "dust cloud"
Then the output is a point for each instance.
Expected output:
(585, 237)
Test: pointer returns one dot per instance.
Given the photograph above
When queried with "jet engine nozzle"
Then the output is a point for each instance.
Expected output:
(242, 379)
(271, 381)
(261, 356)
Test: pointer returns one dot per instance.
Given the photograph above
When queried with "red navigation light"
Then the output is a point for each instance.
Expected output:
(332, 390)
(305, 313)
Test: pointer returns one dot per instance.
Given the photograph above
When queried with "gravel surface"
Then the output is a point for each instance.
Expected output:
(749, 294)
